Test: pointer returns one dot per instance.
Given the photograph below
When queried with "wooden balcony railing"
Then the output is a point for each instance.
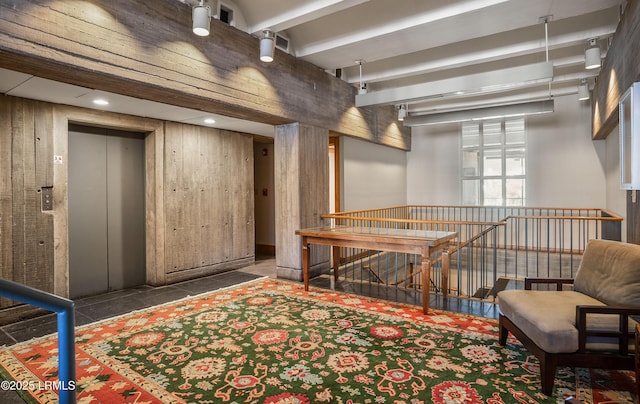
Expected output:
(497, 247)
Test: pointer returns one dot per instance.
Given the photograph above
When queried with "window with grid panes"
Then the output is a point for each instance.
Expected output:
(493, 162)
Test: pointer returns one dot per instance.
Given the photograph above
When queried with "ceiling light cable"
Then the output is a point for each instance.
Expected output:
(362, 87)
(546, 38)
(546, 45)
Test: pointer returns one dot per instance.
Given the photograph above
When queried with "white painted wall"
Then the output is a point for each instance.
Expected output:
(565, 167)
(433, 166)
(373, 176)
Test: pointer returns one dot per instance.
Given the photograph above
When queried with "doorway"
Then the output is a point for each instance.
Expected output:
(334, 174)
(106, 210)
(264, 197)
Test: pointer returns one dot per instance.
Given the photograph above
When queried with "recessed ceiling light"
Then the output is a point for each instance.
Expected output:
(100, 101)
(209, 121)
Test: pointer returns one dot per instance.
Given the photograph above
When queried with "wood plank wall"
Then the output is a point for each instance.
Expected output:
(26, 165)
(633, 217)
(209, 224)
(199, 196)
(620, 69)
(301, 178)
(146, 49)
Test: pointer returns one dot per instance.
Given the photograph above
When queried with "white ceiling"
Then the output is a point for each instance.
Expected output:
(400, 43)
(408, 42)
(27, 86)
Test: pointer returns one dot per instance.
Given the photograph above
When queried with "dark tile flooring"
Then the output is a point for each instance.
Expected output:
(96, 308)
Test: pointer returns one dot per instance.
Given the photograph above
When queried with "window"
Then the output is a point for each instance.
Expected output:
(493, 163)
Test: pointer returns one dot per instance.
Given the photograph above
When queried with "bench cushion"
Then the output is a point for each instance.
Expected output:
(610, 272)
(548, 317)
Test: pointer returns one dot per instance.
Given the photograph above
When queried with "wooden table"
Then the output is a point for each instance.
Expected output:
(421, 242)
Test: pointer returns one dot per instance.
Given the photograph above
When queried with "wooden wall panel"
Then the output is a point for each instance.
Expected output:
(633, 217)
(146, 49)
(6, 193)
(208, 203)
(27, 158)
(199, 181)
(286, 179)
(620, 69)
(302, 182)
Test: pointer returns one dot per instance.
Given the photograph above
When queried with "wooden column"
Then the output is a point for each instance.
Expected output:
(302, 195)
(633, 217)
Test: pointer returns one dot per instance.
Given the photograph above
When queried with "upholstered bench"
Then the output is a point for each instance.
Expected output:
(588, 326)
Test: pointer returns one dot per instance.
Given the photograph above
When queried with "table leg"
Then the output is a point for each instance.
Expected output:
(305, 263)
(444, 278)
(336, 261)
(426, 277)
(411, 275)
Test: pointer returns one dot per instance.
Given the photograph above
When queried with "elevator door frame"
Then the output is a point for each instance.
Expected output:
(106, 221)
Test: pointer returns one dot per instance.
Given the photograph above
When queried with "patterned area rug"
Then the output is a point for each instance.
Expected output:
(270, 342)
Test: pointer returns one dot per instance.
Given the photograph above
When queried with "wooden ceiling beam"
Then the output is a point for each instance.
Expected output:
(147, 50)
(620, 70)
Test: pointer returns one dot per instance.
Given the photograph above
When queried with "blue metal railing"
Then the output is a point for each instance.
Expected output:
(65, 310)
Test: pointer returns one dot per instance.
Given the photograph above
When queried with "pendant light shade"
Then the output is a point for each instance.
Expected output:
(583, 91)
(267, 46)
(201, 15)
(592, 55)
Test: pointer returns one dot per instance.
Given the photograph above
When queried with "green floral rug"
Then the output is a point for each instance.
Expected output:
(271, 342)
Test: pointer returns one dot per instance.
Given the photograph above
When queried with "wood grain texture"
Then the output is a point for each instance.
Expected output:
(212, 206)
(6, 193)
(633, 217)
(620, 69)
(147, 50)
(208, 203)
(302, 181)
(26, 232)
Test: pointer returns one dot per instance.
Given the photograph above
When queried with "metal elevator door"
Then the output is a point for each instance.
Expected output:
(106, 210)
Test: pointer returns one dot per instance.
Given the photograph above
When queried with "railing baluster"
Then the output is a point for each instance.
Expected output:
(493, 242)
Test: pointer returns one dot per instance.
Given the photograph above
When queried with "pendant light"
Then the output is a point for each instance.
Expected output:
(583, 90)
(201, 15)
(402, 112)
(592, 55)
(267, 46)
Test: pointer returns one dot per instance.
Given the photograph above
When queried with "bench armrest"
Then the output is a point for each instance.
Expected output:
(623, 334)
(528, 282)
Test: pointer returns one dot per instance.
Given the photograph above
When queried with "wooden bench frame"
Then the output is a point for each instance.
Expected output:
(621, 358)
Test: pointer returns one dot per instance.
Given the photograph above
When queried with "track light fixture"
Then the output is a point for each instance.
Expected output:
(583, 90)
(402, 112)
(362, 87)
(478, 114)
(592, 55)
(201, 15)
(267, 46)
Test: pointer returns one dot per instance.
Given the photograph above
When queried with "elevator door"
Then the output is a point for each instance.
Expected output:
(106, 210)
